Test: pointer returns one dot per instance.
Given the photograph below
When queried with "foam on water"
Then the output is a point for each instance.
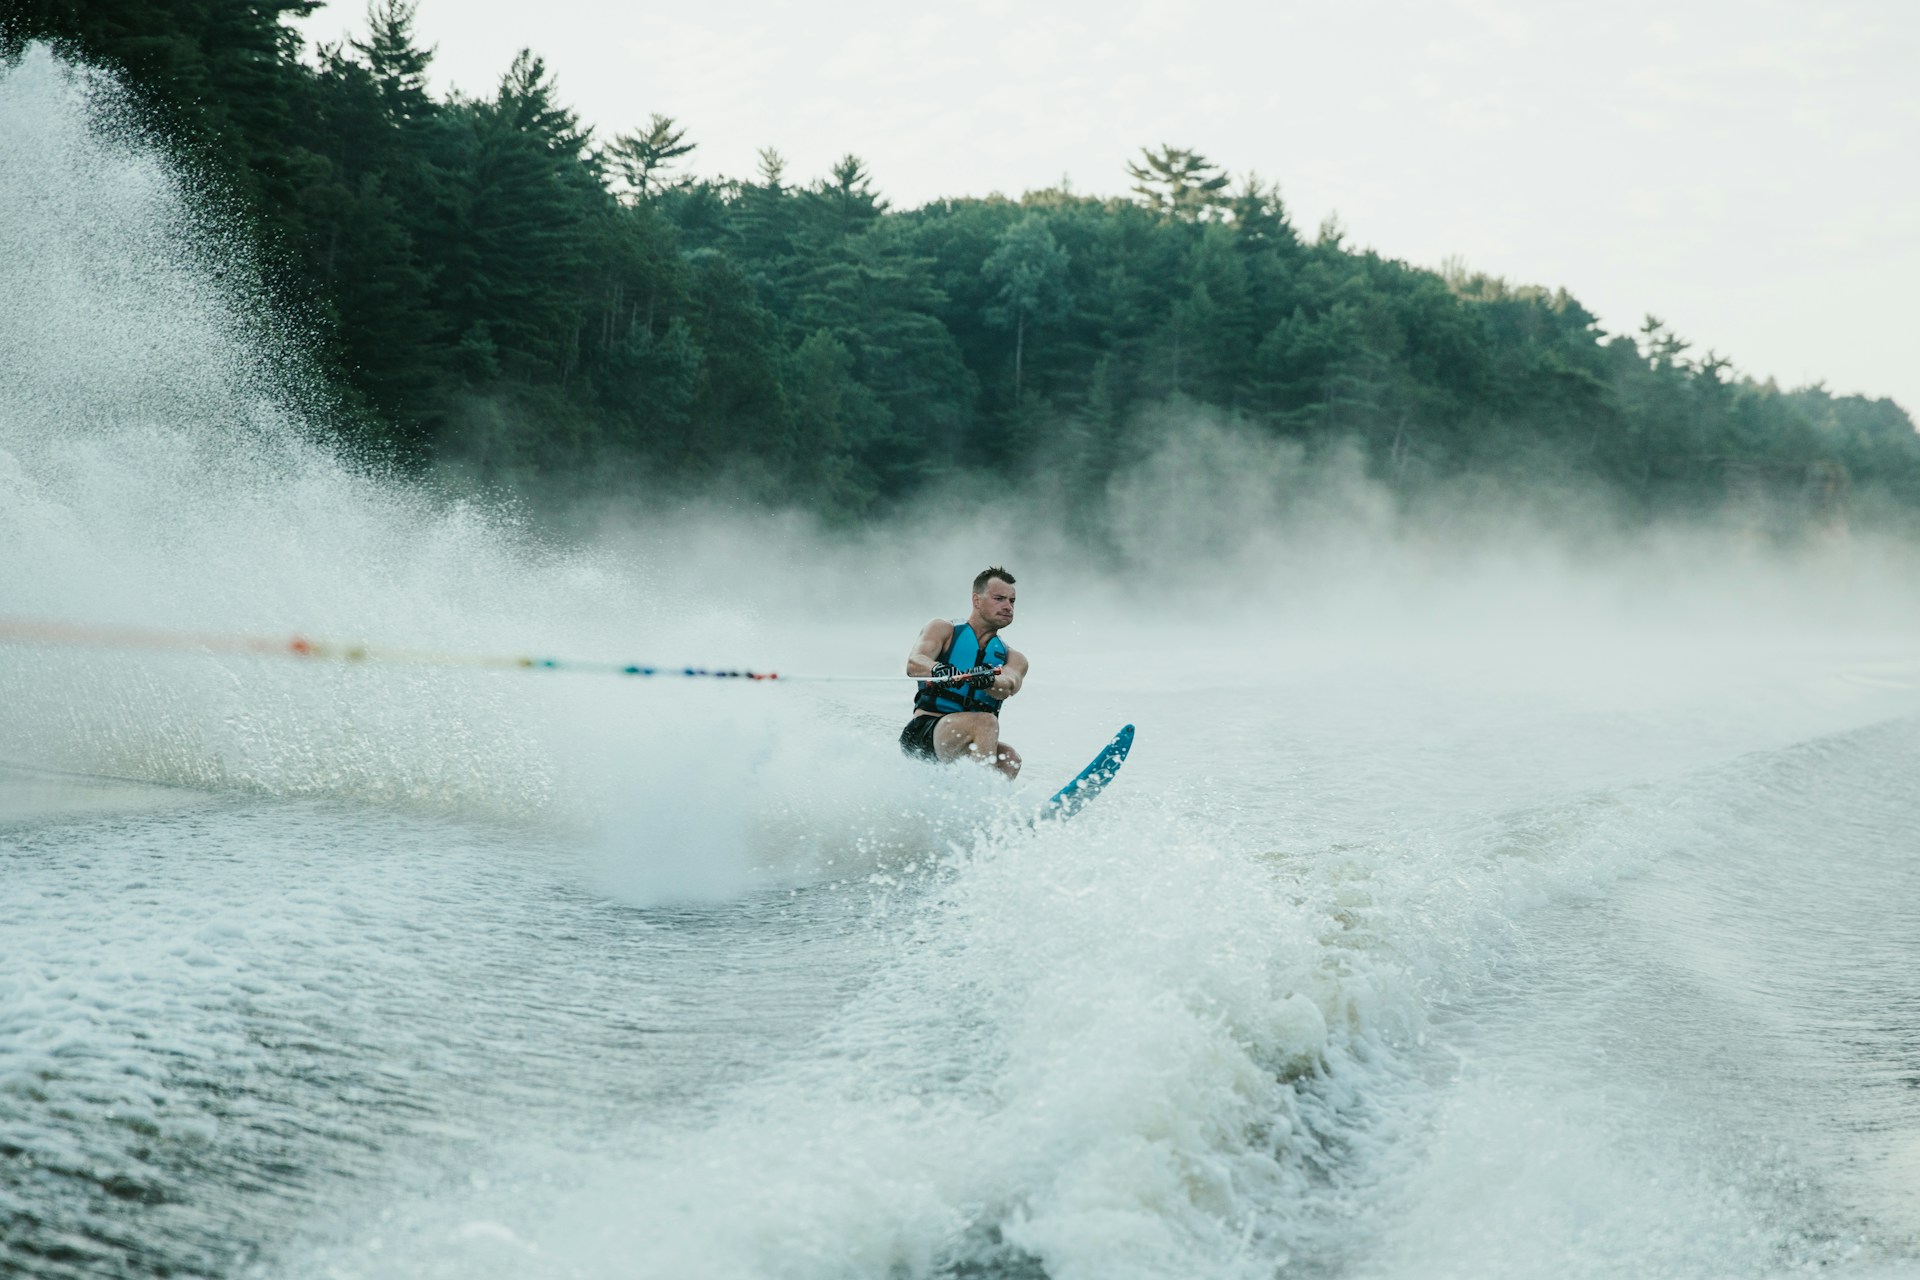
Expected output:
(1138, 1046)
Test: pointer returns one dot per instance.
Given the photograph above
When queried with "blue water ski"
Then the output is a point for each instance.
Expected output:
(1093, 779)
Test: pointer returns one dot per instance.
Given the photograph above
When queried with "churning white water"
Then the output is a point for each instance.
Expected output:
(1472, 906)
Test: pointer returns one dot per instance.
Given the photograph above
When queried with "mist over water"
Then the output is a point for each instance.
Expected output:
(1494, 891)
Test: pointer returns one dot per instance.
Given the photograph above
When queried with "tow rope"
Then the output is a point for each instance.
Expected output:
(80, 635)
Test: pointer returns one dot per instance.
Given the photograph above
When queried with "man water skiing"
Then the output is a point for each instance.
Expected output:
(967, 671)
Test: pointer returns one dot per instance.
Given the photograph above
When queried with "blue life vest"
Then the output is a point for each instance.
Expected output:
(963, 651)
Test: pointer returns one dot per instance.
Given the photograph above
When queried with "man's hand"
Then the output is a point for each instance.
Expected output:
(943, 671)
(982, 677)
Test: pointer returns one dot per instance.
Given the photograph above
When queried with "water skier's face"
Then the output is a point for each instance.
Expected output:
(995, 603)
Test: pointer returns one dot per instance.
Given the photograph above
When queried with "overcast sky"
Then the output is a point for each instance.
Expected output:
(1748, 170)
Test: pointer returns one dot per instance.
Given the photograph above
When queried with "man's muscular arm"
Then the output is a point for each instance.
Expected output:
(926, 650)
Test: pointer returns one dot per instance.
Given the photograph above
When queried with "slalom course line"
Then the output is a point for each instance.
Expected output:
(79, 635)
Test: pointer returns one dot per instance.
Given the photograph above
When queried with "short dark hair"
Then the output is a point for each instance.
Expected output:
(981, 579)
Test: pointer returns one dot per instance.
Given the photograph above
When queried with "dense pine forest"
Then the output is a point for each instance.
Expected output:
(493, 290)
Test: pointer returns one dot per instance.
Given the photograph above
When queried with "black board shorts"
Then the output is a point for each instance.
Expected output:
(917, 738)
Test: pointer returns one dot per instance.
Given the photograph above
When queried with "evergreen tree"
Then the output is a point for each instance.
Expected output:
(640, 160)
(1029, 270)
(1177, 183)
(398, 66)
(528, 216)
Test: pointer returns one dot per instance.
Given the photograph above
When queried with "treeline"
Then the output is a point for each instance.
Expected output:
(491, 288)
